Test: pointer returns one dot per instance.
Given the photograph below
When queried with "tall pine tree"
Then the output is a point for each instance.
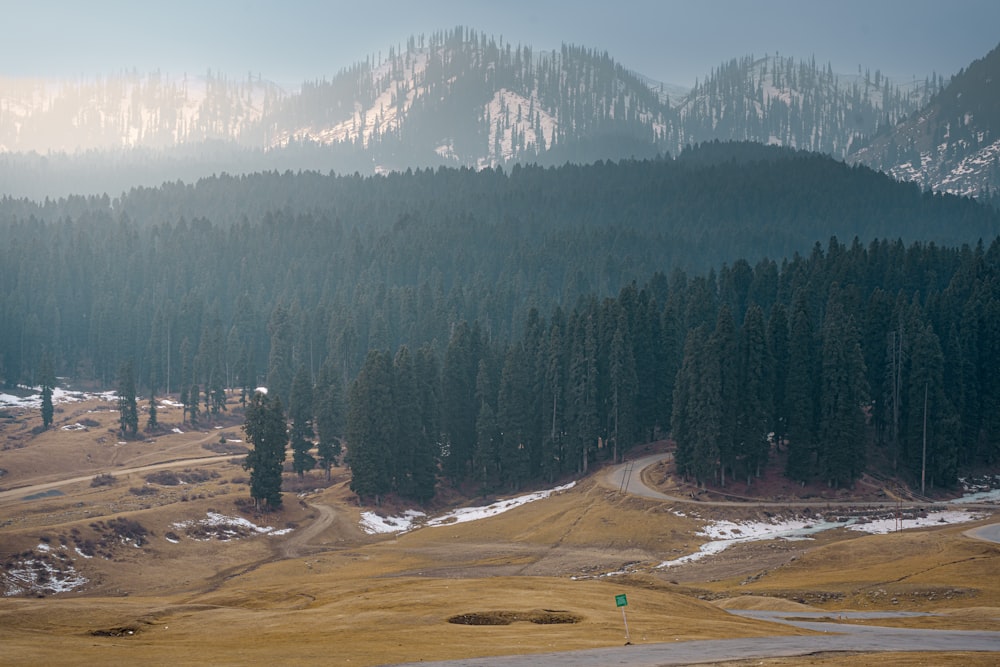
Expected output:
(300, 413)
(128, 411)
(371, 428)
(266, 430)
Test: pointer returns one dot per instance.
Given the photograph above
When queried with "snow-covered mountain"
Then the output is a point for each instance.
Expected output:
(129, 110)
(951, 144)
(461, 98)
(778, 100)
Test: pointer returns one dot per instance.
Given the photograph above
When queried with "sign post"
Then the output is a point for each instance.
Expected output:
(622, 601)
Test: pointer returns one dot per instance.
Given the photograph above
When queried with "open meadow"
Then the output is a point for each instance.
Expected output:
(148, 551)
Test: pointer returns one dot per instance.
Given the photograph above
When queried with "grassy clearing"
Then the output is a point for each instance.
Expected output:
(327, 593)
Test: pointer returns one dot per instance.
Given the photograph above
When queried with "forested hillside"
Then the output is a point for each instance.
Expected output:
(953, 143)
(455, 97)
(779, 100)
(829, 361)
(233, 282)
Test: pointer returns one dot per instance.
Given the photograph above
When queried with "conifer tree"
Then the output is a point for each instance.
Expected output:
(931, 431)
(582, 412)
(458, 400)
(623, 390)
(488, 435)
(279, 362)
(128, 411)
(266, 430)
(514, 410)
(152, 422)
(697, 414)
(553, 455)
(406, 405)
(48, 381)
(427, 442)
(777, 344)
(801, 395)
(726, 346)
(843, 397)
(371, 428)
(330, 418)
(754, 407)
(300, 413)
(194, 395)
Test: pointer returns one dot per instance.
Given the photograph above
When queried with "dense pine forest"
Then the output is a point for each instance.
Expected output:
(512, 327)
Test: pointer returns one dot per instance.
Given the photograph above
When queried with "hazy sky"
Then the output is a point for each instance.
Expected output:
(674, 41)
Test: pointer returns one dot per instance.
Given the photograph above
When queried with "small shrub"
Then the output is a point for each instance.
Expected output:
(143, 490)
(163, 478)
(104, 479)
(129, 529)
(87, 421)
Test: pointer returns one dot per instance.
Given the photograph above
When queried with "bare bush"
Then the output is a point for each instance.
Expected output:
(103, 479)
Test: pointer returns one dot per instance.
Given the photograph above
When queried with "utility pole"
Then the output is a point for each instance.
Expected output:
(923, 459)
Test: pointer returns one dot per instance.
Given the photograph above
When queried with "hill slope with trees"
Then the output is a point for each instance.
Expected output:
(502, 308)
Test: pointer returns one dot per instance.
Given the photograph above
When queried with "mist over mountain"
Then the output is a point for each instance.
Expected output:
(951, 144)
(455, 98)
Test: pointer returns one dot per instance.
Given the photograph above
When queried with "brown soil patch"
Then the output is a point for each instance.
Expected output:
(536, 616)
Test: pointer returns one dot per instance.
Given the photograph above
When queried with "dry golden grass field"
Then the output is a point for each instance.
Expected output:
(164, 585)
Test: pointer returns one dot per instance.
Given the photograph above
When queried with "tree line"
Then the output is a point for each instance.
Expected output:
(236, 280)
(848, 358)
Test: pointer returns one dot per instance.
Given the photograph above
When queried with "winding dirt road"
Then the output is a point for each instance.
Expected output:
(298, 540)
(628, 477)
(20, 493)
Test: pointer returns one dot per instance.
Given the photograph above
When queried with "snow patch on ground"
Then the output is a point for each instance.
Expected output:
(46, 573)
(978, 497)
(724, 534)
(984, 489)
(59, 395)
(884, 526)
(372, 523)
(223, 527)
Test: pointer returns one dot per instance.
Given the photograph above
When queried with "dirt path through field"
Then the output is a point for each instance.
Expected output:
(19, 494)
(628, 477)
(299, 540)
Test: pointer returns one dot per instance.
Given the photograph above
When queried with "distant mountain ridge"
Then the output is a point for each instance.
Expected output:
(461, 98)
(953, 143)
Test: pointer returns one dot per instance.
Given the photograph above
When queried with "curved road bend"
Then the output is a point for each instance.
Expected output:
(628, 477)
(835, 637)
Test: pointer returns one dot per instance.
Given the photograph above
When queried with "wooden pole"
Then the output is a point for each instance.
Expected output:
(923, 459)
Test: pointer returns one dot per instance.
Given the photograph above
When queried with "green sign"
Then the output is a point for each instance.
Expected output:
(621, 600)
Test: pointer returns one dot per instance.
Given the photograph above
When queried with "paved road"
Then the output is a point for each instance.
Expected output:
(990, 533)
(836, 638)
